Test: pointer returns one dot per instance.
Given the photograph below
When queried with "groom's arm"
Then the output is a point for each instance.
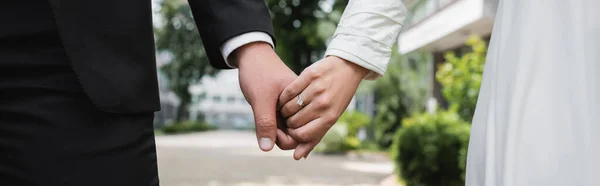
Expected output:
(239, 30)
(226, 25)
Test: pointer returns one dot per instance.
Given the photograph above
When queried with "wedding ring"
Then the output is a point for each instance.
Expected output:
(300, 101)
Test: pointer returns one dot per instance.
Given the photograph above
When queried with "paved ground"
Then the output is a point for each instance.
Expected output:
(233, 158)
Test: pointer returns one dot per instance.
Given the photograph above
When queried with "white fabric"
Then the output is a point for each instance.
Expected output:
(366, 33)
(231, 44)
(537, 121)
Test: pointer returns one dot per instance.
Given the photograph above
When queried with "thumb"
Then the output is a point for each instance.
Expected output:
(265, 119)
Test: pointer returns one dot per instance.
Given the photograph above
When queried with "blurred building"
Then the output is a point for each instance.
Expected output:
(168, 99)
(439, 26)
(219, 101)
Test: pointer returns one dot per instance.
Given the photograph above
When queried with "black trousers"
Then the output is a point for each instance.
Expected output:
(51, 134)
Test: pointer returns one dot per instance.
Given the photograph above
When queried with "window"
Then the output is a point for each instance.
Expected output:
(230, 99)
(198, 98)
(216, 99)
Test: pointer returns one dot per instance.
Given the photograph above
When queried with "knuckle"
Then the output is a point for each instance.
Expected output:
(313, 73)
(330, 119)
(286, 110)
(322, 103)
(303, 137)
(265, 124)
(288, 92)
(285, 146)
(292, 122)
(319, 88)
(328, 125)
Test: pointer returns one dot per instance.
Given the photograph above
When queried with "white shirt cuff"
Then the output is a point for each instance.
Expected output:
(236, 42)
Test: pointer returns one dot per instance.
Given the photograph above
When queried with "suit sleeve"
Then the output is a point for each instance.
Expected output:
(220, 20)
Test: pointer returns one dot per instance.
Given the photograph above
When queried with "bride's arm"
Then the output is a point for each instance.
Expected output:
(360, 49)
(366, 33)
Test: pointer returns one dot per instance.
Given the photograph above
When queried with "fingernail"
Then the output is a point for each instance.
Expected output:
(265, 143)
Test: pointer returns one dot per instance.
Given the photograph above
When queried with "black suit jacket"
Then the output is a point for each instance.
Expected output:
(110, 44)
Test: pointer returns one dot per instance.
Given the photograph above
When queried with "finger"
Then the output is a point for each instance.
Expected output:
(265, 119)
(292, 107)
(304, 149)
(308, 113)
(284, 141)
(312, 91)
(314, 130)
(281, 122)
(293, 89)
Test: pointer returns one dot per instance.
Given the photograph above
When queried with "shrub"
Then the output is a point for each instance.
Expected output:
(430, 149)
(461, 77)
(342, 137)
(400, 93)
(187, 126)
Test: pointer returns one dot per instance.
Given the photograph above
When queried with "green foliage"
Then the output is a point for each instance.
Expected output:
(179, 37)
(301, 29)
(355, 121)
(401, 92)
(369, 145)
(333, 142)
(187, 126)
(342, 137)
(461, 77)
(431, 149)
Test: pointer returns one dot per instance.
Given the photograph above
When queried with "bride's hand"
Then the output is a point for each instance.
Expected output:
(325, 88)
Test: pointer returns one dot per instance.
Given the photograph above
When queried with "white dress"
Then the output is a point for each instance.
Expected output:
(537, 121)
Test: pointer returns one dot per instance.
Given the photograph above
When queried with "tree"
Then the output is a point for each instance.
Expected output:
(302, 29)
(400, 93)
(180, 38)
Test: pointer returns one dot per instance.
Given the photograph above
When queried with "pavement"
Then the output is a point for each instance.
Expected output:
(232, 158)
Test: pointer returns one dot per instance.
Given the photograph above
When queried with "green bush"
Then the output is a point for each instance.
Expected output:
(400, 93)
(461, 77)
(342, 137)
(187, 126)
(431, 149)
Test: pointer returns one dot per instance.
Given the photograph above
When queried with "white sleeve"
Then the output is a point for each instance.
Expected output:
(367, 32)
(236, 42)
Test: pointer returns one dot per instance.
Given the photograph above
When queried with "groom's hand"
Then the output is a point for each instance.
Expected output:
(326, 88)
(263, 76)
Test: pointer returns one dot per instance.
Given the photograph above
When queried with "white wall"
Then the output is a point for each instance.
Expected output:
(224, 85)
(445, 22)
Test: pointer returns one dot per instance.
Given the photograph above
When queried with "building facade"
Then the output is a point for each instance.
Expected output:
(219, 101)
(439, 26)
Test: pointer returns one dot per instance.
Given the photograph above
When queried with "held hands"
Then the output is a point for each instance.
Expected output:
(325, 89)
(263, 76)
